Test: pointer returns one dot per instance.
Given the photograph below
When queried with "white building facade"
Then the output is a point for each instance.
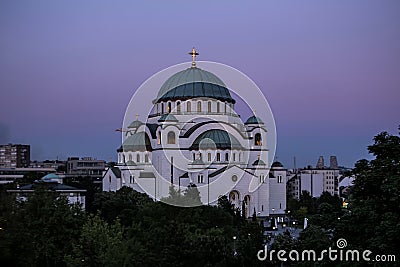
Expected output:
(315, 181)
(194, 136)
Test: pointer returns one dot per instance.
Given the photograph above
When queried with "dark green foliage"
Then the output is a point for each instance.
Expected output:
(373, 219)
(40, 231)
(123, 204)
(100, 244)
(86, 182)
(130, 229)
(188, 198)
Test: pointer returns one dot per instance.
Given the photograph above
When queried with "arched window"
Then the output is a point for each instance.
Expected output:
(130, 157)
(199, 106)
(226, 156)
(218, 157)
(189, 106)
(162, 107)
(209, 156)
(234, 156)
(209, 107)
(159, 138)
(257, 139)
(218, 108)
(171, 137)
(226, 104)
(123, 158)
(178, 107)
(169, 107)
(234, 198)
(137, 157)
(156, 108)
(146, 158)
(246, 201)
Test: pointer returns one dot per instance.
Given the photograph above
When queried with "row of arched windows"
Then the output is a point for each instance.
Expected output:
(219, 156)
(161, 108)
(138, 158)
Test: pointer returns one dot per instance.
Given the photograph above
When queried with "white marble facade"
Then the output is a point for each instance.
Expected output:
(193, 135)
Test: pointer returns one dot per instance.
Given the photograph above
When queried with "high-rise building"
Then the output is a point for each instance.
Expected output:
(333, 163)
(315, 180)
(85, 166)
(320, 163)
(15, 156)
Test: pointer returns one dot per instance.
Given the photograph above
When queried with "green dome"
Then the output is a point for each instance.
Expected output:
(254, 120)
(259, 162)
(50, 176)
(221, 139)
(136, 142)
(277, 164)
(168, 117)
(135, 124)
(193, 82)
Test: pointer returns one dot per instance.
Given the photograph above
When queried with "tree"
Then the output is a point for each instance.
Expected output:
(188, 198)
(123, 204)
(192, 196)
(226, 205)
(40, 230)
(100, 244)
(373, 220)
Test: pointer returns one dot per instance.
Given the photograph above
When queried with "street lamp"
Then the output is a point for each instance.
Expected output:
(234, 246)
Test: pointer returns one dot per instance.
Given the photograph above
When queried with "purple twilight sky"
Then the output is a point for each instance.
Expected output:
(330, 70)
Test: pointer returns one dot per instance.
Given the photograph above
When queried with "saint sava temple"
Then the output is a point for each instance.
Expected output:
(194, 137)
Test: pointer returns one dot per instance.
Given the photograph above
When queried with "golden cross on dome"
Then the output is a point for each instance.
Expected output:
(137, 116)
(193, 53)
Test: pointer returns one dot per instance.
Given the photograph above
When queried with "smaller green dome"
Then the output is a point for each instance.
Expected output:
(135, 124)
(50, 176)
(136, 142)
(277, 164)
(220, 138)
(259, 162)
(254, 120)
(168, 117)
